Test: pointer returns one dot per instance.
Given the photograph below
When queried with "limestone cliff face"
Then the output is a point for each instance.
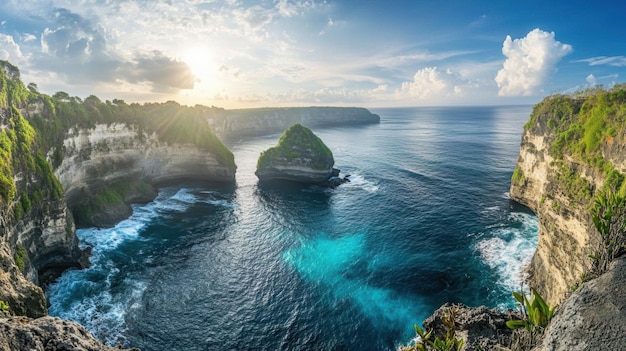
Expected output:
(300, 156)
(108, 154)
(559, 185)
(250, 122)
(566, 233)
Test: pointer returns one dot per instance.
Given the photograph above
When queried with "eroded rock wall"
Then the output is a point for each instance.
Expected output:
(560, 192)
(108, 153)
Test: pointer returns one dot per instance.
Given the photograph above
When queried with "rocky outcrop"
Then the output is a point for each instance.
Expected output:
(235, 124)
(592, 318)
(557, 176)
(300, 156)
(22, 296)
(480, 328)
(47, 334)
(96, 159)
(566, 233)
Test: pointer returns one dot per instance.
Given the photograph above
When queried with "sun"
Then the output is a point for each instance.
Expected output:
(202, 64)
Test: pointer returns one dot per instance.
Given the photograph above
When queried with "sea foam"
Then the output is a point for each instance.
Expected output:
(88, 296)
(508, 249)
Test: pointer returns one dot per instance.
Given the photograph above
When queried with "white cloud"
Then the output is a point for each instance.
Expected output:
(616, 61)
(9, 50)
(28, 37)
(591, 79)
(530, 60)
(287, 9)
(432, 82)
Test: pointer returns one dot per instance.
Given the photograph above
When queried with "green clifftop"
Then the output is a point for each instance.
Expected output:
(299, 156)
(61, 154)
(573, 152)
(571, 172)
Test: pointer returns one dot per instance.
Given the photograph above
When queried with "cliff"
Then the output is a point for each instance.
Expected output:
(572, 151)
(62, 157)
(46, 334)
(299, 156)
(233, 124)
(118, 159)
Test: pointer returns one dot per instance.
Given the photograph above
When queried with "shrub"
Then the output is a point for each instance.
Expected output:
(536, 313)
(609, 217)
(20, 257)
(446, 342)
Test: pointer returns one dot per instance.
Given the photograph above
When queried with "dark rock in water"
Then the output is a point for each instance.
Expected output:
(47, 333)
(300, 156)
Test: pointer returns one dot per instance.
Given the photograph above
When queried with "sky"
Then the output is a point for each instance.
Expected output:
(239, 53)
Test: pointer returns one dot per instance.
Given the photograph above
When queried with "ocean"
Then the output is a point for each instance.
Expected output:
(426, 219)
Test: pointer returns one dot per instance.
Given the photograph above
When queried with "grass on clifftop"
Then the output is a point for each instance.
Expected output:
(171, 122)
(295, 142)
(582, 126)
(585, 132)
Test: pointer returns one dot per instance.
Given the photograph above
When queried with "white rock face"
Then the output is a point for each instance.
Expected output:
(567, 235)
(113, 152)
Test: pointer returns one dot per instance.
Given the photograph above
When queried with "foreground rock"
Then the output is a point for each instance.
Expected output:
(22, 296)
(593, 317)
(481, 328)
(300, 156)
(46, 334)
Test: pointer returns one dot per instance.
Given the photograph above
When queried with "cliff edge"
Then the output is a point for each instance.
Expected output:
(573, 150)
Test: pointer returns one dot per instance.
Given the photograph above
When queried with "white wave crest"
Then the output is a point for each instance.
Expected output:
(508, 249)
(358, 181)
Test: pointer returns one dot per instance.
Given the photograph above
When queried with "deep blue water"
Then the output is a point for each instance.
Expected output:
(425, 220)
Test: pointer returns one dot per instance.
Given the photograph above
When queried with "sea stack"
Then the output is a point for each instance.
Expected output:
(300, 156)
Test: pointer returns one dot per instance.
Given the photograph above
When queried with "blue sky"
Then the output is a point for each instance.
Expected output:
(238, 53)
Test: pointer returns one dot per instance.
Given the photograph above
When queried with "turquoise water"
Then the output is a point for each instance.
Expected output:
(426, 220)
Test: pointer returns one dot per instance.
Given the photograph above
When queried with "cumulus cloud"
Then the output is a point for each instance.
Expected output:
(529, 62)
(9, 50)
(432, 82)
(616, 61)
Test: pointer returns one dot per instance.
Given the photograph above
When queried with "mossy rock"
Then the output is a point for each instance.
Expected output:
(300, 156)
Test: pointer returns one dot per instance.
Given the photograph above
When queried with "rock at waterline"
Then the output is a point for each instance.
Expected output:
(300, 156)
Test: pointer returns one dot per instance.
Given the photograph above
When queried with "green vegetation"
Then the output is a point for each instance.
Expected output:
(170, 122)
(536, 313)
(297, 141)
(108, 197)
(4, 306)
(583, 122)
(446, 342)
(518, 176)
(25, 142)
(584, 130)
(609, 218)
(20, 257)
